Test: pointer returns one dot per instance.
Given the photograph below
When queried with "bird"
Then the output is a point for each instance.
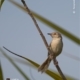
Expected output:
(55, 47)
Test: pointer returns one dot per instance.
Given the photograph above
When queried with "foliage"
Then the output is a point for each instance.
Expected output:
(50, 24)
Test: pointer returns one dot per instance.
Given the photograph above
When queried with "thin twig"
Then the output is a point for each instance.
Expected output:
(40, 32)
(42, 36)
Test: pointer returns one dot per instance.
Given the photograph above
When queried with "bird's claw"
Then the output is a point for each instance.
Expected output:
(55, 62)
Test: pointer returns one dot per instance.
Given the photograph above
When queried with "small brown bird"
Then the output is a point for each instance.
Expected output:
(55, 46)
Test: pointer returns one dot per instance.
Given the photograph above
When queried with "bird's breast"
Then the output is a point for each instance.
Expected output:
(56, 46)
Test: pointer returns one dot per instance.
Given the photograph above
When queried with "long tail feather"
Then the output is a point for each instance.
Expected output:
(45, 65)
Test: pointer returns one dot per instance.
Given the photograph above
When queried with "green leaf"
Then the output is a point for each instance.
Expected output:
(51, 73)
(15, 65)
(50, 24)
(1, 72)
(1, 2)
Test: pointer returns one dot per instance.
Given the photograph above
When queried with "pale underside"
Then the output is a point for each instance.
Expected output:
(56, 46)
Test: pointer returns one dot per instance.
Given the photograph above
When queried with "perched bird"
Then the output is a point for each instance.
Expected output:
(55, 46)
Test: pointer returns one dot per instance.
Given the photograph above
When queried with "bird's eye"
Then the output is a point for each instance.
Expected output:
(54, 33)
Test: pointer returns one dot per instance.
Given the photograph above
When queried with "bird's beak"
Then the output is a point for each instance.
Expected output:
(49, 34)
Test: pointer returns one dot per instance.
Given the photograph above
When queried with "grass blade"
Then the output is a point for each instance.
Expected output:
(15, 65)
(50, 24)
(1, 2)
(51, 73)
(1, 72)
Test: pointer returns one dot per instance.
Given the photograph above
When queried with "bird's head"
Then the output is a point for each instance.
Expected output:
(55, 35)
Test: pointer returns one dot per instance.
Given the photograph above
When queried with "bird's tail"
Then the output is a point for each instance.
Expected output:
(45, 65)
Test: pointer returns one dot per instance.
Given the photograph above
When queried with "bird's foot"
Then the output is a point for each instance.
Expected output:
(55, 62)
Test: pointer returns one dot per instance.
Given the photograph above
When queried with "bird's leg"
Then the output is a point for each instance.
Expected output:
(48, 53)
(48, 48)
(55, 61)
